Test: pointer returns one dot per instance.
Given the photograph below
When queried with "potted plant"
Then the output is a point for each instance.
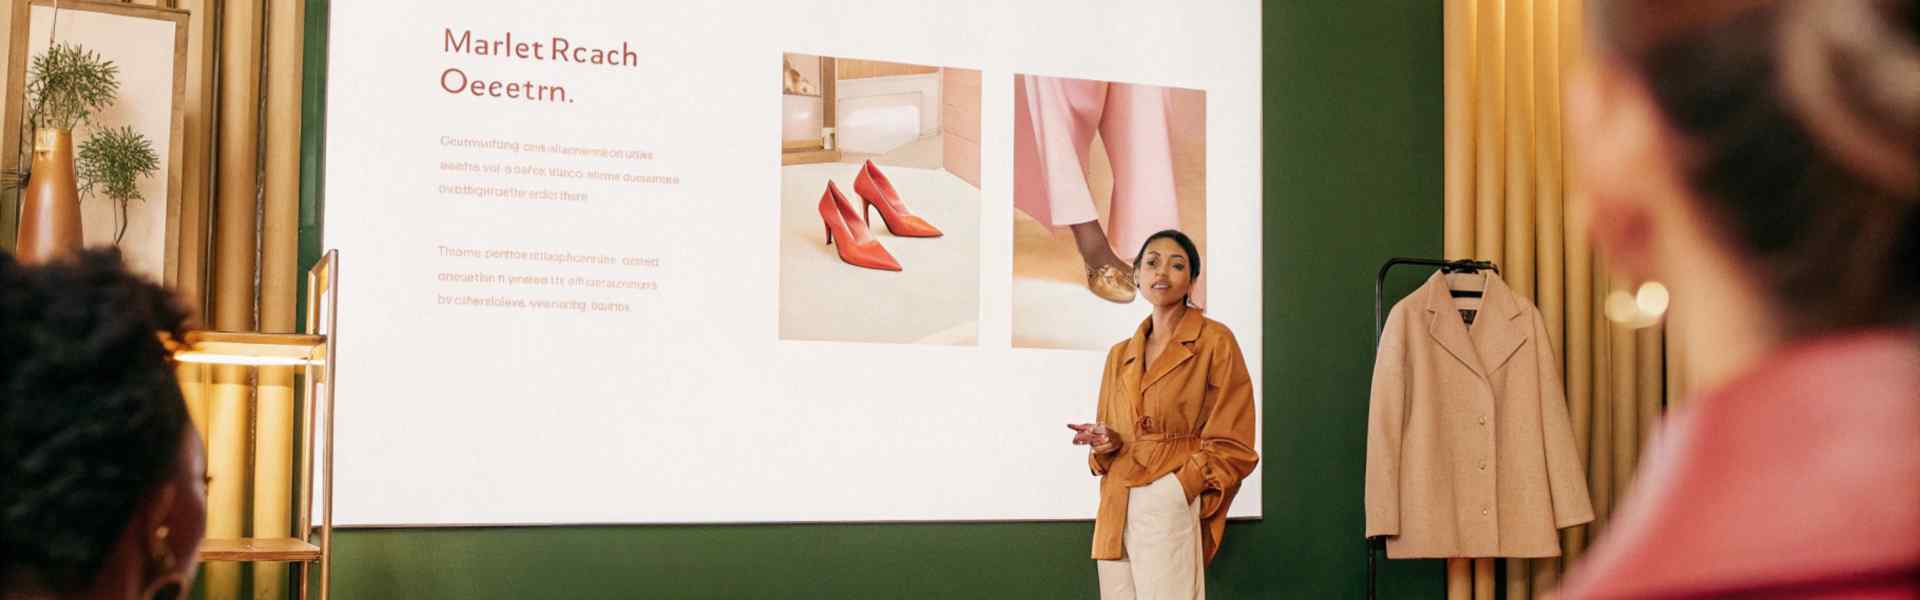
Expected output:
(112, 162)
(66, 87)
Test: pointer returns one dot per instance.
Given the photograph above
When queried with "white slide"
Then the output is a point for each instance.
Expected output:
(581, 283)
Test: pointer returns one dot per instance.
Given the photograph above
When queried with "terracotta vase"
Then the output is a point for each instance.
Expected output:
(50, 206)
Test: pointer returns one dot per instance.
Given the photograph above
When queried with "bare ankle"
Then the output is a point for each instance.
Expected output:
(1093, 246)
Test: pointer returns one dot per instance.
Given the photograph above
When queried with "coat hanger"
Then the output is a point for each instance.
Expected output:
(1467, 266)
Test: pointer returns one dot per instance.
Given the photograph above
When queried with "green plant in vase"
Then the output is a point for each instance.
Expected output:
(112, 162)
(66, 86)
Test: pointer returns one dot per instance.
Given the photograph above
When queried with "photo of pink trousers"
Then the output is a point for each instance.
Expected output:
(1054, 122)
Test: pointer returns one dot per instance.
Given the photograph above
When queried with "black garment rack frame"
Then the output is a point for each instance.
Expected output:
(1377, 545)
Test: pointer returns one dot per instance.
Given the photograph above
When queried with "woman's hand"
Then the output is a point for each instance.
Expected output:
(1096, 435)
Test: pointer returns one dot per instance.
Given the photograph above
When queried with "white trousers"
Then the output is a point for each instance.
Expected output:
(1163, 547)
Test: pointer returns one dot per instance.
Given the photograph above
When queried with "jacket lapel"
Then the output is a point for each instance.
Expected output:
(1445, 326)
(1178, 352)
(1130, 373)
(1500, 332)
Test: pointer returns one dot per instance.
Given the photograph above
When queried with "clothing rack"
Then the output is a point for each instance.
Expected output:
(1378, 544)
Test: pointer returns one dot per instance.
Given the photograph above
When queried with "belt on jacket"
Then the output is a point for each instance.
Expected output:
(1155, 444)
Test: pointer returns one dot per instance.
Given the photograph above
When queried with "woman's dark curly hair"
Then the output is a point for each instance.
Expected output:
(91, 416)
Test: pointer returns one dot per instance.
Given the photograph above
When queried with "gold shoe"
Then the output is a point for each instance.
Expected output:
(1111, 283)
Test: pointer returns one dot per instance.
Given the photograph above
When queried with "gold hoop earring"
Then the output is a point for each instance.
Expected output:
(166, 584)
(170, 588)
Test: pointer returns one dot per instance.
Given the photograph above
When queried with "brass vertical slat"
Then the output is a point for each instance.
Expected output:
(279, 267)
(1459, 88)
(1519, 578)
(1546, 575)
(1626, 404)
(316, 277)
(230, 424)
(303, 513)
(11, 157)
(236, 254)
(1580, 361)
(1600, 459)
(193, 389)
(331, 382)
(1676, 393)
(9, 199)
(1550, 222)
(238, 183)
(1483, 579)
(1651, 374)
(1519, 151)
(1489, 184)
(279, 285)
(1579, 278)
(1519, 201)
(1459, 579)
(1489, 140)
(196, 207)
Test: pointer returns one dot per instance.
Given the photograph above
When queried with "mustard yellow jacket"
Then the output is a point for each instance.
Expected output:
(1189, 413)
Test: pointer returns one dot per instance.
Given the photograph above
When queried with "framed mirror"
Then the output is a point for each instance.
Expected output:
(148, 46)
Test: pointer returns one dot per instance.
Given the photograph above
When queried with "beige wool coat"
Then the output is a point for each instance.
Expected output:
(1469, 449)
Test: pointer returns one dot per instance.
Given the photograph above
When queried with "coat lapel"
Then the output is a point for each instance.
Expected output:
(1130, 373)
(1501, 332)
(1445, 326)
(1178, 352)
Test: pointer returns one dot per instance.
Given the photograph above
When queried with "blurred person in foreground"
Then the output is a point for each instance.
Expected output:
(102, 481)
(1762, 160)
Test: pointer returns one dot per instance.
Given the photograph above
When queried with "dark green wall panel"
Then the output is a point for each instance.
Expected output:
(1353, 175)
(1352, 159)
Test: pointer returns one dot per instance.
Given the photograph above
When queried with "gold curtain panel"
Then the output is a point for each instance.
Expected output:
(1508, 200)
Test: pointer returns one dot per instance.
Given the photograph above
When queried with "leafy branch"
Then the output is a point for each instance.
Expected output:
(111, 163)
(68, 84)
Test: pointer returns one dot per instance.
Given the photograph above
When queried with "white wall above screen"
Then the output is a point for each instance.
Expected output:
(493, 370)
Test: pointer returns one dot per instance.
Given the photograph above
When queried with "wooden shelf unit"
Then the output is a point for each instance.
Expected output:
(259, 550)
(313, 353)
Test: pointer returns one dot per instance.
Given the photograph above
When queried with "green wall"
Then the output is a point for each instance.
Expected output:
(1352, 159)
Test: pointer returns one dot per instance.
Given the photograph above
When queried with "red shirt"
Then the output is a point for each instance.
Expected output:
(1800, 479)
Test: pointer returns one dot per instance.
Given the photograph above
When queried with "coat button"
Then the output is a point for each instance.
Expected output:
(1483, 420)
(1484, 512)
(1483, 465)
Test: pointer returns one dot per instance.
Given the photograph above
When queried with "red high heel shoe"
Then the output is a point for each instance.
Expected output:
(857, 246)
(875, 190)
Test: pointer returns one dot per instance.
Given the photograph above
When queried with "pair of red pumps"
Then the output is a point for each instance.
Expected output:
(857, 244)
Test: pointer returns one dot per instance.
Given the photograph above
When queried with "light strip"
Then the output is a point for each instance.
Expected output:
(215, 358)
